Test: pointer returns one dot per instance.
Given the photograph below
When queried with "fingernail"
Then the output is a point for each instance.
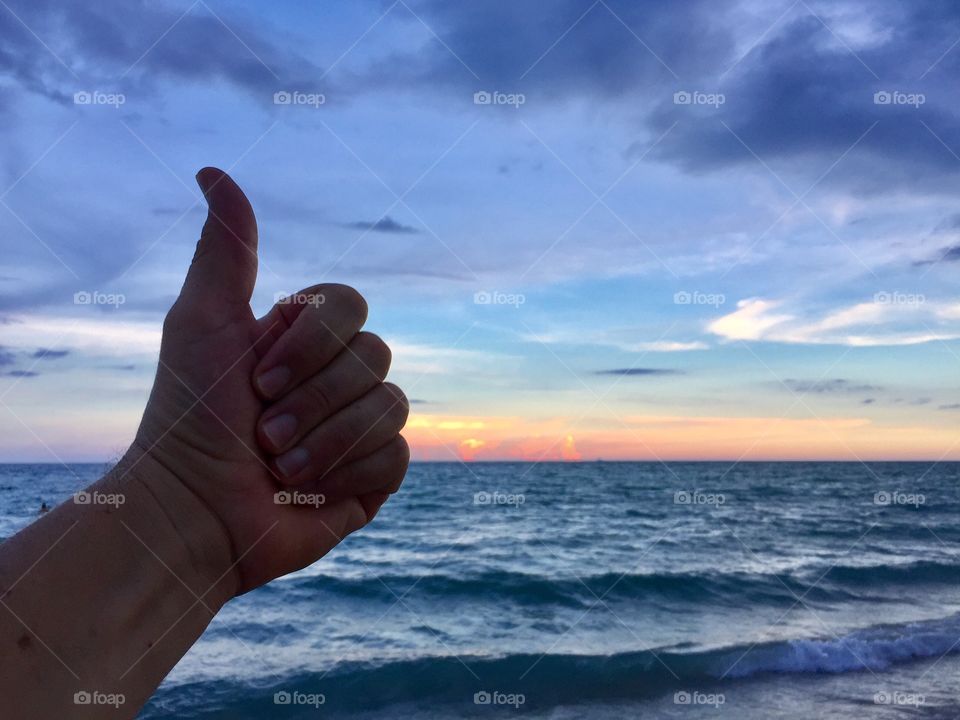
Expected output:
(273, 381)
(280, 429)
(292, 462)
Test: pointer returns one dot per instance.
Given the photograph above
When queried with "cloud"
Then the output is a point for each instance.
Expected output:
(948, 254)
(91, 335)
(6, 357)
(798, 85)
(951, 406)
(425, 359)
(828, 387)
(141, 43)
(638, 371)
(868, 324)
(48, 354)
(620, 338)
(21, 373)
(386, 224)
(562, 49)
(752, 320)
(804, 96)
(669, 346)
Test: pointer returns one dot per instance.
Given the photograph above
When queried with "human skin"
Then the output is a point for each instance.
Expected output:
(104, 597)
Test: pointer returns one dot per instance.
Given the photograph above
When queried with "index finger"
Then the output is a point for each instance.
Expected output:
(322, 320)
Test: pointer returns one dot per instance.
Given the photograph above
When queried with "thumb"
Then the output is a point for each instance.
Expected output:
(224, 267)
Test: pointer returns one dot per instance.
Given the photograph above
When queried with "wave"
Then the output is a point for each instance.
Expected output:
(838, 584)
(553, 679)
(920, 571)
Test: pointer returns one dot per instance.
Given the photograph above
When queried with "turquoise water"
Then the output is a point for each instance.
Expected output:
(597, 590)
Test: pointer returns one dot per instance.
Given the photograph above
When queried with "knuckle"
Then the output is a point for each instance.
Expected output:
(172, 321)
(343, 436)
(401, 450)
(317, 396)
(399, 405)
(346, 297)
(399, 462)
(178, 316)
(374, 352)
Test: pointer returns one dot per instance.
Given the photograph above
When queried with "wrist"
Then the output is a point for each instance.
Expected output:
(193, 537)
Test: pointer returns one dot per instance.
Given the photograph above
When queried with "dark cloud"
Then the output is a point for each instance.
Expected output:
(801, 93)
(638, 371)
(948, 224)
(6, 357)
(563, 48)
(48, 354)
(135, 44)
(21, 373)
(951, 406)
(386, 224)
(829, 387)
(805, 95)
(949, 254)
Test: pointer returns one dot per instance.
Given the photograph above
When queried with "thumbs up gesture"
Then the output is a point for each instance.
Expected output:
(281, 426)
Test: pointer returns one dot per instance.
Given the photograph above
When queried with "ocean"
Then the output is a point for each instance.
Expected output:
(598, 590)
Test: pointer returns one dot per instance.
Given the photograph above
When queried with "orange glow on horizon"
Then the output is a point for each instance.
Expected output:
(436, 437)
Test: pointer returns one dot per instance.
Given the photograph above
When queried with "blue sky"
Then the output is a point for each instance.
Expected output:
(704, 229)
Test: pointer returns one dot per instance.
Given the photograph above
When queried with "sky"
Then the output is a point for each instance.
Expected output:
(710, 230)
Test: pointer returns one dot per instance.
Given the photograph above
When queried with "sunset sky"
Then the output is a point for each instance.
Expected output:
(611, 229)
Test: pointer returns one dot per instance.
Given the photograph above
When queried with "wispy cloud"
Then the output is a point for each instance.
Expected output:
(948, 254)
(620, 338)
(638, 372)
(386, 224)
(828, 387)
(48, 354)
(867, 324)
(21, 373)
(97, 336)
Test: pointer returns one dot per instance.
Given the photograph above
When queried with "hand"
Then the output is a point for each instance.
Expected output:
(243, 407)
